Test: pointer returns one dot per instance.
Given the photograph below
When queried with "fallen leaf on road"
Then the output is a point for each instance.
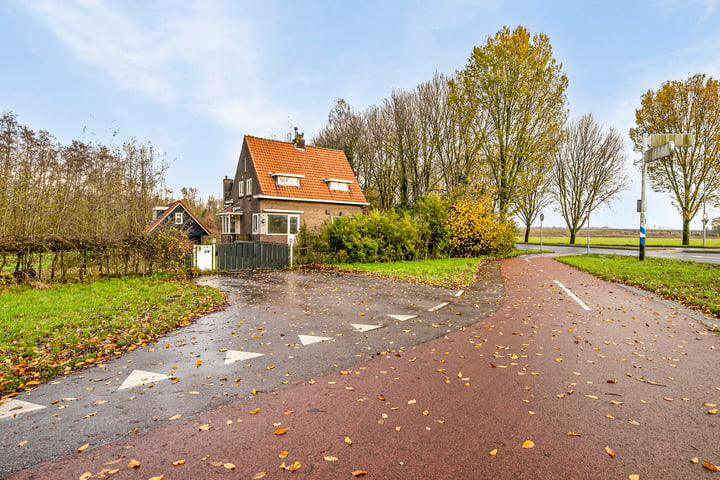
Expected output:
(254, 391)
(711, 467)
(80, 449)
(159, 477)
(259, 475)
(381, 398)
(668, 399)
(573, 434)
(634, 476)
(706, 404)
(253, 412)
(175, 417)
(90, 414)
(615, 402)
(229, 466)
(133, 463)
(528, 444)
(614, 380)
(633, 422)
(86, 476)
(99, 402)
(204, 427)
(22, 443)
(712, 411)
(348, 441)
(178, 462)
(294, 466)
(607, 415)
(283, 454)
(592, 396)
(330, 459)
(280, 431)
(695, 460)
(493, 452)
(411, 402)
(270, 367)
(425, 412)
(610, 451)
(198, 363)
(359, 473)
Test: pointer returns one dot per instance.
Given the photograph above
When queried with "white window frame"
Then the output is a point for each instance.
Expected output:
(248, 187)
(339, 186)
(287, 231)
(256, 223)
(179, 220)
(285, 181)
(241, 190)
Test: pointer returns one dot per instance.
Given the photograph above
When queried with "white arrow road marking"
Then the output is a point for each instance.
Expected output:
(232, 356)
(437, 307)
(140, 377)
(527, 259)
(12, 407)
(460, 292)
(362, 327)
(309, 339)
(572, 295)
(402, 318)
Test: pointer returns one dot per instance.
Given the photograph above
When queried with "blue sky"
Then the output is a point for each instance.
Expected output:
(193, 77)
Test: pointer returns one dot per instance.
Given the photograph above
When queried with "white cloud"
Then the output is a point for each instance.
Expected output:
(198, 55)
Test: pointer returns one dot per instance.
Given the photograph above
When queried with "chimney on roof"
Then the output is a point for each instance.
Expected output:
(299, 140)
(227, 189)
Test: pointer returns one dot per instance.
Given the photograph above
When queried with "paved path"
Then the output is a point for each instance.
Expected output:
(604, 371)
(693, 254)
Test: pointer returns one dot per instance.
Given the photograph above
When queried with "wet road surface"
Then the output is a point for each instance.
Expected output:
(606, 383)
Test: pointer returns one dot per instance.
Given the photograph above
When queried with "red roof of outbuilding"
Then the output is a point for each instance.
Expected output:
(314, 163)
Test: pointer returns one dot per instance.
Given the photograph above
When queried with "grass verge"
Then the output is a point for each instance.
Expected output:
(56, 330)
(693, 284)
(444, 272)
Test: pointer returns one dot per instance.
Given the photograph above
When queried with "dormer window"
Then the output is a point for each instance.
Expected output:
(286, 179)
(338, 185)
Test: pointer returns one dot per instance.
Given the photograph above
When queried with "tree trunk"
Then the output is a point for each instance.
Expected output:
(572, 237)
(527, 233)
(686, 232)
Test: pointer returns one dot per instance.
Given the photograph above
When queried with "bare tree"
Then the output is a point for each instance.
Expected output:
(588, 171)
(534, 194)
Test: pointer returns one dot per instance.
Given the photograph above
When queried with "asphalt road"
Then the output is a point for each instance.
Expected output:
(684, 253)
(572, 377)
(278, 329)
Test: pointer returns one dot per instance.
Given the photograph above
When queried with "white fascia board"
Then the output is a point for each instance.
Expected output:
(311, 200)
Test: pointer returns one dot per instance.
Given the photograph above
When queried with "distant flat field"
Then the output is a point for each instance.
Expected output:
(624, 241)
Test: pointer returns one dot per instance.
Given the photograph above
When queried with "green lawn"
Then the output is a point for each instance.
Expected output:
(691, 283)
(54, 330)
(624, 241)
(445, 272)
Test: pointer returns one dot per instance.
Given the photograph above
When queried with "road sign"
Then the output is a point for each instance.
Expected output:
(660, 151)
(705, 216)
(679, 139)
(542, 217)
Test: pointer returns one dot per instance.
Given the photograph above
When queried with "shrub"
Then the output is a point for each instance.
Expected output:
(473, 229)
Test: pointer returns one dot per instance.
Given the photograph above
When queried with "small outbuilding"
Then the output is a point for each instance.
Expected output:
(179, 216)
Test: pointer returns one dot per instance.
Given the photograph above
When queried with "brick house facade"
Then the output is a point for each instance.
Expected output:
(280, 186)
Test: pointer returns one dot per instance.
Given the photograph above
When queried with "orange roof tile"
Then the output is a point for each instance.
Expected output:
(314, 163)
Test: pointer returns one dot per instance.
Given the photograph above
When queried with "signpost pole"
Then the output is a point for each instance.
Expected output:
(641, 256)
(705, 215)
(588, 232)
(542, 217)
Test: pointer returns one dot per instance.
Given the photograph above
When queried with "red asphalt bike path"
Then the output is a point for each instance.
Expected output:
(628, 377)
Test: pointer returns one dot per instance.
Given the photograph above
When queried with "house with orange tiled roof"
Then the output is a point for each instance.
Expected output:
(281, 186)
(179, 217)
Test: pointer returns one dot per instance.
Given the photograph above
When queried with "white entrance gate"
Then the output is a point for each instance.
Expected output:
(204, 257)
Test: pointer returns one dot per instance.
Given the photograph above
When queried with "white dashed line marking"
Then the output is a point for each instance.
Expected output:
(402, 318)
(572, 295)
(310, 339)
(460, 292)
(140, 377)
(11, 407)
(437, 307)
(233, 356)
